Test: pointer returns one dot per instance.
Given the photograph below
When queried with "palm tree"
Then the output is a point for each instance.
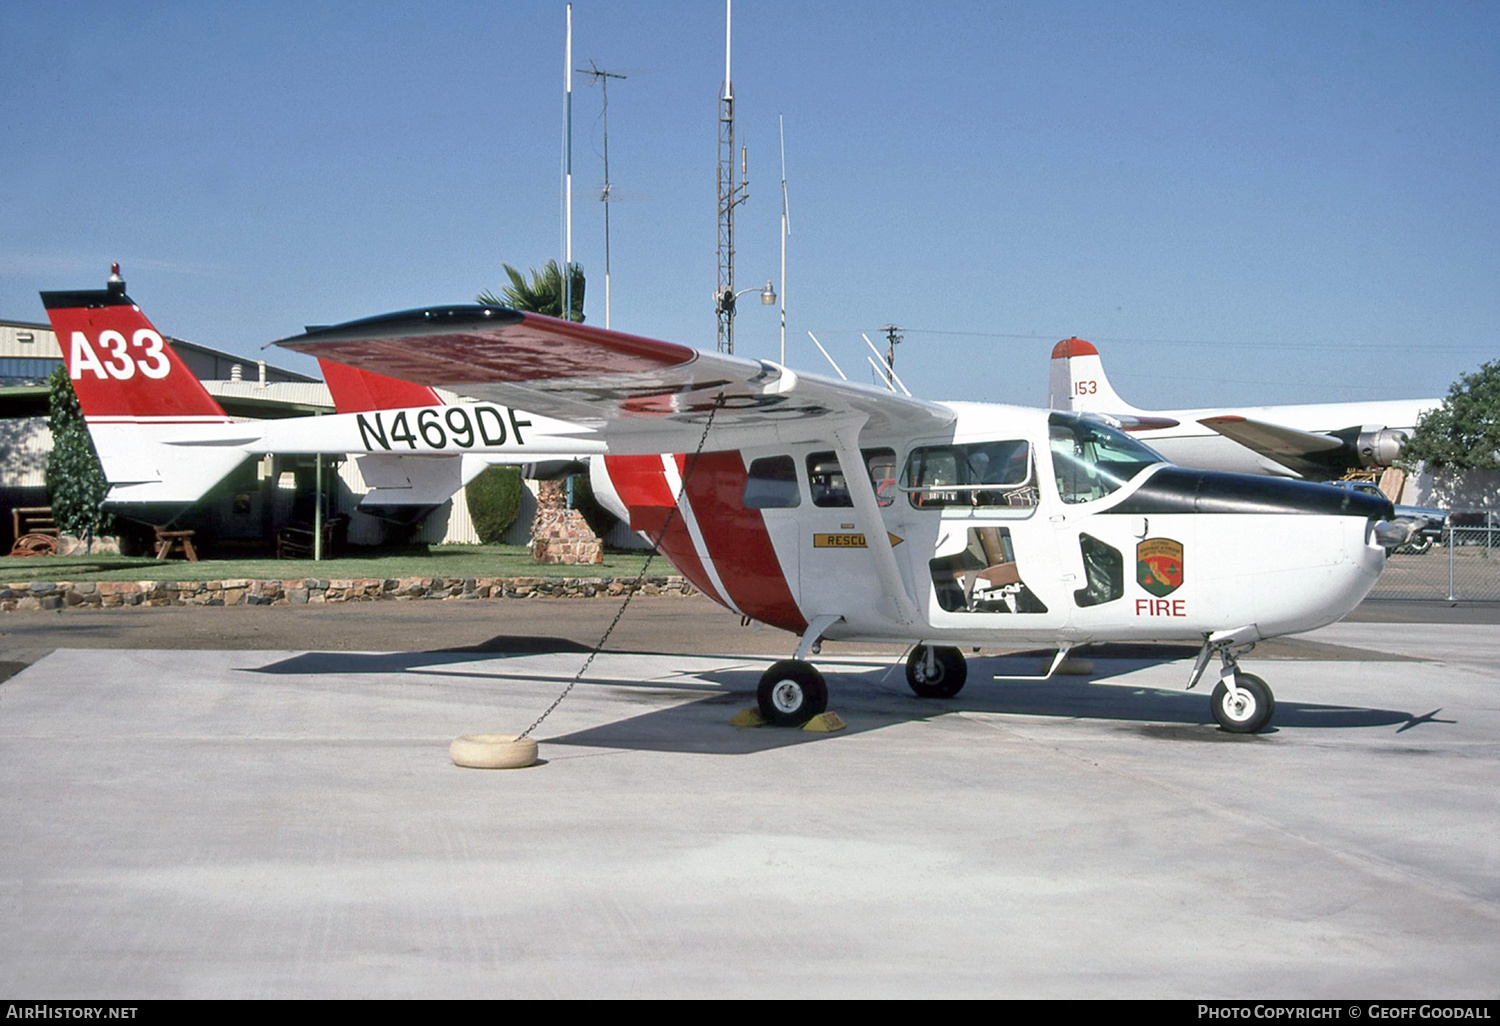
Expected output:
(543, 294)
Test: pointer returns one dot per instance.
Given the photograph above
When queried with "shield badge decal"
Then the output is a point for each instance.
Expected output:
(1158, 565)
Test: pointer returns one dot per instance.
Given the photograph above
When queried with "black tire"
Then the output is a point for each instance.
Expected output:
(1252, 714)
(791, 692)
(948, 676)
(1418, 546)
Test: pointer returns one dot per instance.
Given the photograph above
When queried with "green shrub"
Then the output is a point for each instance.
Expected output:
(75, 481)
(494, 500)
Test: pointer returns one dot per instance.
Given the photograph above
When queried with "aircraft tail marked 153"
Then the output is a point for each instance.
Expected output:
(1316, 440)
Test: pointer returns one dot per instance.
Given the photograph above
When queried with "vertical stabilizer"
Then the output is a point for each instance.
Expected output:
(360, 391)
(1077, 383)
(136, 395)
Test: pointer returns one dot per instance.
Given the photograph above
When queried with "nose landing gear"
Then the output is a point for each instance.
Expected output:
(1242, 703)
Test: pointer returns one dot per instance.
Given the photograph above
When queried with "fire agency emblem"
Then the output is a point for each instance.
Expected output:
(1158, 565)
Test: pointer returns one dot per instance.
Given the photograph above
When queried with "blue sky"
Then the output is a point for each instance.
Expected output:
(1238, 202)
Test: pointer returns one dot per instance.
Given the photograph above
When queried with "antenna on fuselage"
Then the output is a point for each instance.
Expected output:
(826, 356)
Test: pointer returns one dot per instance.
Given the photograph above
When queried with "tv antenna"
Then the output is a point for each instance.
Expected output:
(598, 74)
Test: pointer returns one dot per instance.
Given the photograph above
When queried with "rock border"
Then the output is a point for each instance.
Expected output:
(300, 591)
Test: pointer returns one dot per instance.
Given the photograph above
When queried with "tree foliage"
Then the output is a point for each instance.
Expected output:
(75, 481)
(1464, 432)
(543, 294)
(494, 499)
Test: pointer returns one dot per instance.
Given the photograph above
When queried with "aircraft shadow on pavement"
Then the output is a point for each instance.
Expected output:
(866, 700)
(400, 662)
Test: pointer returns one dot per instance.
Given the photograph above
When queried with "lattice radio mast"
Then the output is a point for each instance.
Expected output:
(732, 193)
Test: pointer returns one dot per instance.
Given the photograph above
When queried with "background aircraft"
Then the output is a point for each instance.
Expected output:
(1318, 441)
(163, 441)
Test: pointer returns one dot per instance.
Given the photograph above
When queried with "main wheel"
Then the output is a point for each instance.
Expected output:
(791, 692)
(1249, 711)
(949, 671)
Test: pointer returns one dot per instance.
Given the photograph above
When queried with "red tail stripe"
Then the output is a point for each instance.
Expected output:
(359, 391)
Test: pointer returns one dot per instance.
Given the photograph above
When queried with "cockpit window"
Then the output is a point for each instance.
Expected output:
(1091, 460)
(984, 474)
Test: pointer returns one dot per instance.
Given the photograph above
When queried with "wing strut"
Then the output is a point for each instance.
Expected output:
(867, 515)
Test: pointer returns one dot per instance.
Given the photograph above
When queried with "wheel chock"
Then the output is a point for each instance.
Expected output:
(823, 723)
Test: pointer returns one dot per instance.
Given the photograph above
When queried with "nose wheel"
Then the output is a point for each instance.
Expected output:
(1247, 708)
(791, 692)
(1242, 703)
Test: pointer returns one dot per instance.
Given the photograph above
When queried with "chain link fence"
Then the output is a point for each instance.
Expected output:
(1464, 565)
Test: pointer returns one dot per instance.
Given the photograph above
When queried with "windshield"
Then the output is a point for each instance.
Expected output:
(1091, 460)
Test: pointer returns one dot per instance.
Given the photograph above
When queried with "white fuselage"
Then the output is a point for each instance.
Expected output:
(1019, 564)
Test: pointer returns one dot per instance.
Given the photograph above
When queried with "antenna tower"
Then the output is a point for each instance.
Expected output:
(601, 76)
(731, 195)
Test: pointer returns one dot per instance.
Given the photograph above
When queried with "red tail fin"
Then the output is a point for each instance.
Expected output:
(121, 366)
(360, 391)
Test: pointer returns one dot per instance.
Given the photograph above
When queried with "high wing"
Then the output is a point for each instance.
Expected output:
(1292, 448)
(645, 396)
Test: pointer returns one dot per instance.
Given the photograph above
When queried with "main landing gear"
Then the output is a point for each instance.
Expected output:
(791, 692)
(1242, 703)
(936, 672)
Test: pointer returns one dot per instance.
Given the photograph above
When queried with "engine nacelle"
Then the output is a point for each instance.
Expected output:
(1378, 447)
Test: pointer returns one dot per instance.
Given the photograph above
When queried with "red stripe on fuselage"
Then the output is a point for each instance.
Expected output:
(737, 539)
(641, 483)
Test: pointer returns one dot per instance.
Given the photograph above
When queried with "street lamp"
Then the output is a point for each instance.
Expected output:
(725, 301)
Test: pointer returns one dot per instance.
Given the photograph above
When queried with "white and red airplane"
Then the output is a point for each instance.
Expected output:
(164, 441)
(953, 524)
(1316, 441)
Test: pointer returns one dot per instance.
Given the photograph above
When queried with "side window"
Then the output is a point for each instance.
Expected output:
(1103, 569)
(881, 464)
(931, 471)
(979, 474)
(826, 481)
(772, 484)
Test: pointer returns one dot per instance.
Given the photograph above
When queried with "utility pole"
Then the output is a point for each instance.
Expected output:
(602, 77)
(567, 267)
(893, 338)
(731, 195)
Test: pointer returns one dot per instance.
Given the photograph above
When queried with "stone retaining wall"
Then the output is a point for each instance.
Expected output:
(317, 591)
